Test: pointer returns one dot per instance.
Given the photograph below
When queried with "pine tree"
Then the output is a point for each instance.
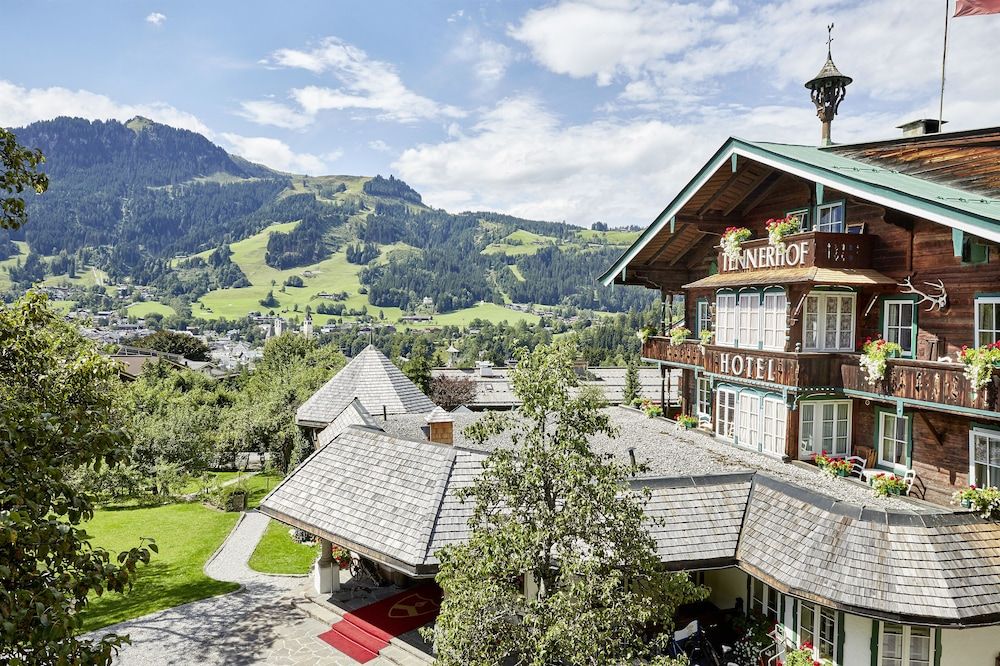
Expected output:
(632, 388)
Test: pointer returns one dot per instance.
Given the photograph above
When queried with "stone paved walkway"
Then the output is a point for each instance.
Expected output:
(256, 625)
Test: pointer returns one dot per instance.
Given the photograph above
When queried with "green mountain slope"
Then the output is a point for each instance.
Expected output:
(152, 205)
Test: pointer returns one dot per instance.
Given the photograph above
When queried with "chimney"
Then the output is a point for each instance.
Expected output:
(485, 368)
(441, 427)
(922, 127)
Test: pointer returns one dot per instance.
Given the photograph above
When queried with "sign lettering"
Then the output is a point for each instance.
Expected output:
(768, 256)
(745, 365)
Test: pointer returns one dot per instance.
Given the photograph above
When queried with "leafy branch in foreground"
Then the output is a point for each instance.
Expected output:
(19, 172)
(551, 513)
(58, 413)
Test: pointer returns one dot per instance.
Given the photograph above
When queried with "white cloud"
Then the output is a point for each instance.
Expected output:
(520, 158)
(267, 112)
(365, 84)
(489, 59)
(278, 154)
(379, 145)
(21, 106)
(156, 18)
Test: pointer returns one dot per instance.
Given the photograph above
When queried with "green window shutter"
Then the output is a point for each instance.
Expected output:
(874, 644)
(909, 439)
(841, 638)
(795, 619)
(957, 241)
(937, 647)
(781, 609)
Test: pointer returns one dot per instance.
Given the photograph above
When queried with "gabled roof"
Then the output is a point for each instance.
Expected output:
(354, 414)
(934, 200)
(374, 381)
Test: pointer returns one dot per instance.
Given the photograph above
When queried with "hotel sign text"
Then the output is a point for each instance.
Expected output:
(767, 256)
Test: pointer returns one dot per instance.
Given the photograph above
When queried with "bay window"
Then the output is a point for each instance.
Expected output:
(987, 320)
(753, 420)
(900, 324)
(748, 420)
(748, 315)
(764, 599)
(984, 457)
(773, 320)
(901, 645)
(752, 319)
(775, 416)
(829, 321)
(818, 627)
(893, 436)
(824, 426)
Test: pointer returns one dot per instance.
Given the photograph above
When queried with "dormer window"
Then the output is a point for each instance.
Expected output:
(830, 217)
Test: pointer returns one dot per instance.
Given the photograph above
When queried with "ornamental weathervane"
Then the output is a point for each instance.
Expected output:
(828, 89)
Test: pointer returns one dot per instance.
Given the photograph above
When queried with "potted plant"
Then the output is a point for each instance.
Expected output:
(801, 657)
(732, 240)
(780, 228)
(980, 362)
(884, 485)
(873, 357)
(965, 497)
(341, 557)
(686, 422)
(705, 337)
(650, 408)
(644, 333)
(678, 334)
(833, 466)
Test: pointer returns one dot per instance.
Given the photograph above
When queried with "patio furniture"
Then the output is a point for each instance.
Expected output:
(909, 476)
(858, 465)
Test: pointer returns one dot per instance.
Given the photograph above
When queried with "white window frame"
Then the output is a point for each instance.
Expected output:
(906, 443)
(748, 420)
(748, 316)
(823, 323)
(911, 327)
(818, 431)
(721, 408)
(804, 217)
(774, 320)
(703, 399)
(725, 318)
(819, 613)
(702, 317)
(773, 425)
(986, 300)
(992, 477)
(905, 658)
(831, 206)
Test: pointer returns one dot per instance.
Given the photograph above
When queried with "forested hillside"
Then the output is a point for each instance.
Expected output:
(151, 205)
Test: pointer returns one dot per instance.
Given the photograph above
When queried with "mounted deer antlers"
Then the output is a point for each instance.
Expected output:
(939, 300)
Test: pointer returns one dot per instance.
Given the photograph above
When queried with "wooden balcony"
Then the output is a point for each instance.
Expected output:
(819, 249)
(929, 382)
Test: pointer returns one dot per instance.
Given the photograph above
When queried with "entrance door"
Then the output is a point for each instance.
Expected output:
(749, 420)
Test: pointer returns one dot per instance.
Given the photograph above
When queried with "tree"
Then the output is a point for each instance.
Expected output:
(632, 388)
(171, 342)
(20, 172)
(58, 415)
(294, 281)
(269, 301)
(451, 392)
(550, 510)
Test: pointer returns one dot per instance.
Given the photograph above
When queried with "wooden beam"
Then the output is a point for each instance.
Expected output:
(763, 190)
(697, 253)
(695, 219)
(720, 191)
(687, 248)
(753, 186)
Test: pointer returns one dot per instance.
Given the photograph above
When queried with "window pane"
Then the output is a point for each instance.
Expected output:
(920, 646)
(892, 645)
(827, 633)
(807, 621)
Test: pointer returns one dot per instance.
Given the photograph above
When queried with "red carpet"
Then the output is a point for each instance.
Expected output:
(363, 633)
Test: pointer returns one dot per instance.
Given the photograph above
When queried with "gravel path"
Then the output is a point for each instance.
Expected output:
(256, 625)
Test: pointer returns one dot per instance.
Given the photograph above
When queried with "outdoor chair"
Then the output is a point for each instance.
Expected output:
(909, 478)
(858, 465)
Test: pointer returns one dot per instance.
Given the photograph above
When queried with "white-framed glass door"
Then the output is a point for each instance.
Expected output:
(775, 419)
(824, 425)
(725, 413)
(748, 334)
(748, 420)
(725, 319)
(894, 440)
(773, 320)
(984, 457)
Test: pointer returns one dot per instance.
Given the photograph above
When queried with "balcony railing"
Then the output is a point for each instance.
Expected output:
(932, 382)
(819, 249)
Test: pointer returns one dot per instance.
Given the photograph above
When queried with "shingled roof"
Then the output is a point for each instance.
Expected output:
(395, 500)
(354, 414)
(371, 378)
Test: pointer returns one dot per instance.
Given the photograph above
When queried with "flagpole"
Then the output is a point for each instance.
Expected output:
(944, 59)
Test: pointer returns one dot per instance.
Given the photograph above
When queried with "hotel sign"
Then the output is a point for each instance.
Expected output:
(767, 256)
(773, 367)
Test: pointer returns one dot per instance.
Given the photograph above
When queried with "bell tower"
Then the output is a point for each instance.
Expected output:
(827, 90)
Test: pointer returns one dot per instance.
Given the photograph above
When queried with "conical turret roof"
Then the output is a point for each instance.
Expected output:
(374, 381)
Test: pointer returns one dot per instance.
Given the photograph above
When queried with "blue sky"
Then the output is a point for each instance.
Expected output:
(576, 110)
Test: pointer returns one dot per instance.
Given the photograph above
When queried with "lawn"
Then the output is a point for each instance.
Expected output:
(520, 242)
(611, 237)
(487, 311)
(147, 307)
(194, 485)
(186, 534)
(278, 553)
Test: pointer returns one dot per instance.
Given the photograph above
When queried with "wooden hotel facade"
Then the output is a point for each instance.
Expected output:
(900, 241)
